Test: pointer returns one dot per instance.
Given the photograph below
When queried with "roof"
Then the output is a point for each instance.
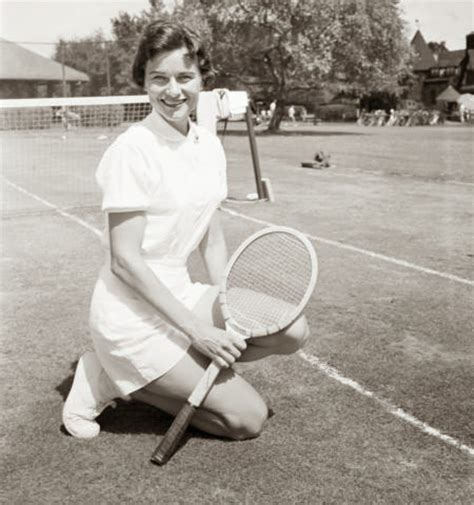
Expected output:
(448, 95)
(20, 64)
(450, 58)
(424, 57)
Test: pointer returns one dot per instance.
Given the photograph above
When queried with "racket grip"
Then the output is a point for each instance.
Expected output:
(173, 436)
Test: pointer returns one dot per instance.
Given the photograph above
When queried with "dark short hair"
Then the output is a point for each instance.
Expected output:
(163, 36)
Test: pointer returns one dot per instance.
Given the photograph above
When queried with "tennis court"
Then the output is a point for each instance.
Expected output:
(376, 409)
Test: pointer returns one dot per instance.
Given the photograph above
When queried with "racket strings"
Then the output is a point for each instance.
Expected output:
(277, 265)
(268, 281)
(265, 312)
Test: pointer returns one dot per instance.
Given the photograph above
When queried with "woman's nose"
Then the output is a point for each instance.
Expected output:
(173, 88)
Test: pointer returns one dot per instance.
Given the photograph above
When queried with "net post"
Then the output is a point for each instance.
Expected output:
(253, 150)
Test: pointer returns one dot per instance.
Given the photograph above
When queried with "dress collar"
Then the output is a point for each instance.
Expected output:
(163, 129)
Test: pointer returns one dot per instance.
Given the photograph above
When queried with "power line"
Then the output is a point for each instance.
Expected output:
(4, 41)
(27, 42)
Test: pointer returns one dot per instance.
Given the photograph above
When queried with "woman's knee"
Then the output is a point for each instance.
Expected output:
(248, 422)
(294, 337)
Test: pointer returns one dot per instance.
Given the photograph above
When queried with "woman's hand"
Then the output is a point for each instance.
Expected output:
(221, 346)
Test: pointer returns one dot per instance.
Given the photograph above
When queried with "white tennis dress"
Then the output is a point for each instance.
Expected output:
(179, 182)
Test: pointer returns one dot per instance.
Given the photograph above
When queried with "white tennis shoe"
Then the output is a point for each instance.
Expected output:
(91, 393)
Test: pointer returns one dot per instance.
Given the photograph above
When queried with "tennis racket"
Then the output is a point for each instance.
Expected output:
(267, 283)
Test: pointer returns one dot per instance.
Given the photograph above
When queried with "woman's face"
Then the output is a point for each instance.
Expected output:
(173, 82)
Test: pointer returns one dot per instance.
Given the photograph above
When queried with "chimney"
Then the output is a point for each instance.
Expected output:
(470, 40)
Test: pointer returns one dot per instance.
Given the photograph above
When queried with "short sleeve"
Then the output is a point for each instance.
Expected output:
(126, 179)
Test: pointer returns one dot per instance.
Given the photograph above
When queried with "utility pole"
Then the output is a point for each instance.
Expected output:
(63, 68)
(107, 66)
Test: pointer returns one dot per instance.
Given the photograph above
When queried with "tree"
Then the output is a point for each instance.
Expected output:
(87, 54)
(108, 63)
(283, 46)
(371, 57)
(371, 53)
(273, 46)
(438, 47)
(126, 31)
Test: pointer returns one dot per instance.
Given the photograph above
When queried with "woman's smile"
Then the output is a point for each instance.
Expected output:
(173, 104)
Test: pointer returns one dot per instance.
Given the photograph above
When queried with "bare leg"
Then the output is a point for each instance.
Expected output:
(205, 421)
(232, 408)
(287, 341)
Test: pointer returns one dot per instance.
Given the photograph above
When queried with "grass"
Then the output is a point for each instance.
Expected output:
(400, 333)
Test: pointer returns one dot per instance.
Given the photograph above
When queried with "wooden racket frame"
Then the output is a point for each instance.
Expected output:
(170, 441)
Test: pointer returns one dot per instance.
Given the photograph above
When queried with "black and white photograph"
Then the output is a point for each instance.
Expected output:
(237, 243)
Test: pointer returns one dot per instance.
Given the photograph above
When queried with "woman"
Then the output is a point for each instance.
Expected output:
(154, 330)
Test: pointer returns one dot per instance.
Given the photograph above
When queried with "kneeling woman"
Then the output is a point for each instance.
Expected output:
(154, 330)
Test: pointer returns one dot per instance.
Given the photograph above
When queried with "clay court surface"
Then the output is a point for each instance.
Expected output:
(378, 408)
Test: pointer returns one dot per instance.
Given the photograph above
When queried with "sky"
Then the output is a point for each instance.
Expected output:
(44, 22)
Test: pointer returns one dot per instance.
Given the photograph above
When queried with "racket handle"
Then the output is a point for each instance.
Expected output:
(177, 429)
(173, 436)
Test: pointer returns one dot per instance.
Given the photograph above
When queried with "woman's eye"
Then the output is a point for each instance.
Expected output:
(184, 78)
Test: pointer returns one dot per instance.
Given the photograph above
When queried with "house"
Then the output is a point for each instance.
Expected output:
(448, 100)
(25, 74)
(437, 72)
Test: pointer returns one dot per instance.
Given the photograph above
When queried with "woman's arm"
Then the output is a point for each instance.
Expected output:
(126, 234)
(214, 250)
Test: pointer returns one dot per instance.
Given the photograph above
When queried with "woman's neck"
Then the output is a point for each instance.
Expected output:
(181, 127)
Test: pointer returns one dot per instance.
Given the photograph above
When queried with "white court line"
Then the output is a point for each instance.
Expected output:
(460, 183)
(331, 372)
(359, 250)
(388, 406)
(63, 213)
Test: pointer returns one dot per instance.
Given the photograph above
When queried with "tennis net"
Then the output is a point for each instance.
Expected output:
(50, 148)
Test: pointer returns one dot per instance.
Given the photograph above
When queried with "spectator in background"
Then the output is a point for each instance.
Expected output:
(272, 108)
(392, 119)
(291, 114)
